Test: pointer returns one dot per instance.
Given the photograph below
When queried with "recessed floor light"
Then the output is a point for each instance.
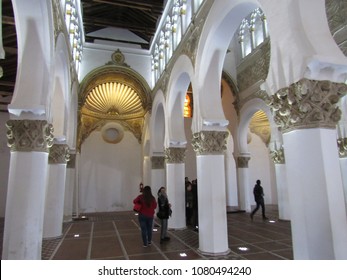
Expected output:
(183, 255)
(76, 235)
(243, 249)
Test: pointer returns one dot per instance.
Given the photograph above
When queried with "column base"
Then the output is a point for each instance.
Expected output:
(227, 252)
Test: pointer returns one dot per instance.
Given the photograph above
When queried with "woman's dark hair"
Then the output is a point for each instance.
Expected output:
(159, 191)
(147, 195)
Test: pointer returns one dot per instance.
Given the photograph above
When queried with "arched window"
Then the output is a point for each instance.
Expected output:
(245, 38)
(73, 25)
(252, 31)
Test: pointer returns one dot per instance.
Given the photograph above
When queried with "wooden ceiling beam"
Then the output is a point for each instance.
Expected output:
(110, 23)
(140, 5)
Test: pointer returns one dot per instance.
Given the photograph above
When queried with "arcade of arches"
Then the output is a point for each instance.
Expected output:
(222, 105)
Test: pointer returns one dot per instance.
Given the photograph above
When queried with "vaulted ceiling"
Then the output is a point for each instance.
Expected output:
(130, 22)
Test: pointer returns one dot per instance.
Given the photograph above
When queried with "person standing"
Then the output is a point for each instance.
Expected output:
(164, 213)
(141, 187)
(189, 204)
(146, 214)
(259, 199)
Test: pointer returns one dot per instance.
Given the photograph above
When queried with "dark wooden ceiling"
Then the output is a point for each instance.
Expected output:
(138, 16)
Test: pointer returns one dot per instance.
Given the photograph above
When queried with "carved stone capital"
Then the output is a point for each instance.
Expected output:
(158, 162)
(29, 135)
(72, 161)
(175, 155)
(342, 145)
(278, 156)
(308, 104)
(209, 142)
(59, 154)
(242, 162)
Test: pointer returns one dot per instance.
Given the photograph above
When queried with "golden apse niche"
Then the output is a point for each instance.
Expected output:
(112, 95)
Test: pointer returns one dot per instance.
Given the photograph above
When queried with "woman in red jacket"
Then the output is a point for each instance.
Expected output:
(146, 214)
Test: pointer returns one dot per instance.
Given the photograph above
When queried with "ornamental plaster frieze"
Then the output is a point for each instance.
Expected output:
(255, 67)
(60, 27)
(59, 154)
(58, 20)
(342, 146)
(209, 142)
(277, 156)
(29, 135)
(307, 104)
(175, 155)
(336, 11)
(158, 162)
(242, 161)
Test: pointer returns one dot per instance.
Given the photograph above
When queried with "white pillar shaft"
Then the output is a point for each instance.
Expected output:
(343, 166)
(231, 183)
(245, 189)
(157, 180)
(213, 232)
(25, 206)
(54, 207)
(318, 214)
(176, 194)
(146, 171)
(69, 194)
(282, 192)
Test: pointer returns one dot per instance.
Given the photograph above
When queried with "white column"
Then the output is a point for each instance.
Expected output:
(343, 166)
(213, 237)
(315, 188)
(282, 192)
(213, 231)
(146, 171)
(176, 194)
(342, 144)
(175, 172)
(158, 178)
(29, 141)
(319, 226)
(278, 158)
(55, 193)
(69, 189)
(231, 180)
(245, 188)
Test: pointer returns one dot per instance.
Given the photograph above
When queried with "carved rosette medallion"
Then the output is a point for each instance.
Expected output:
(158, 162)
(59, 154)
(175, 155)
(209, 142)
(342, 146)
(278, 156)
(29, 135)
(242, 162)
(308, 104)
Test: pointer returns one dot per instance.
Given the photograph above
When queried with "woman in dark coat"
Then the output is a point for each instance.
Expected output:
(163, 213)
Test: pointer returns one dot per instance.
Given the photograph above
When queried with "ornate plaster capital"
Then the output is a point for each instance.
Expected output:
(342, 146)
(175, 155)
(209, 142)
(158, 162)
(72, 161)
(59, 154)
(308, 104)
(29, 135)
(277, 156)
(242, 161)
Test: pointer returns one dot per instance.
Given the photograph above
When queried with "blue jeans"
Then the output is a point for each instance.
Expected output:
(146, 224)
(164, 224)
